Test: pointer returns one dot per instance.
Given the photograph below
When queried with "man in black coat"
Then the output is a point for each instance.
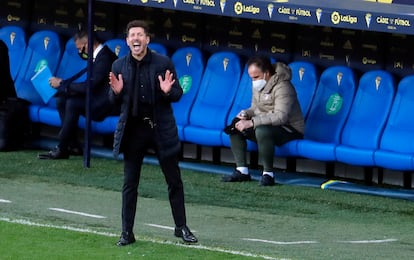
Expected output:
(70, 98)
(145, 84)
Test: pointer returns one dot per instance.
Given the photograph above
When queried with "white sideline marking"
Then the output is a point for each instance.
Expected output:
(159, 226)
(81, 230)
(370, 241)
(163, 227)
(77, 213)
(280, 242)
(5, 201)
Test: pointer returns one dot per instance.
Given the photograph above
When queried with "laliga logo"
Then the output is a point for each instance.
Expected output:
(336, 18)
(238, 8)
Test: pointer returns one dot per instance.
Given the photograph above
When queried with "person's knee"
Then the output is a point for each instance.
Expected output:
(263, 133)
(60, 103)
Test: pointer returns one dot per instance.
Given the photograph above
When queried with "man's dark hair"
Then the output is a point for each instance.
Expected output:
(262, 62)
(137, 23)
(83, 33)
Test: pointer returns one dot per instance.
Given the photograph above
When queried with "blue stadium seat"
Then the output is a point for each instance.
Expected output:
(49, 116)
(305, 80)
(363, 128)
(242, 100)
(106, 126)
(158, 48)
(329, 110)
(218, 88)
(396, 149)
(118, 46)
(189, 64)
(15, 39)
(44, 48)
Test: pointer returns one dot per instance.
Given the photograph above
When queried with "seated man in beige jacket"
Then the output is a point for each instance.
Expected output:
(274, 118)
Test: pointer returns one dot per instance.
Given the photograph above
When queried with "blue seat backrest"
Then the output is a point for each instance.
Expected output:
(158, 48)
(15, 39)
(44, 48)
(217, 90)
(331, 104)
(305, 80)
(118, 46)
(243, 97)
(189, 65)
(370, 110)
(399, 131)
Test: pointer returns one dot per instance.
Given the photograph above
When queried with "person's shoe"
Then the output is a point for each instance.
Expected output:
(126, 239)
(267, 180)
(54, 154)
(185, 233)
(237, 176)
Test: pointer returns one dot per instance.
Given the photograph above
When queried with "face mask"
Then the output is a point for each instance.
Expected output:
(83, 55)
(258, 84)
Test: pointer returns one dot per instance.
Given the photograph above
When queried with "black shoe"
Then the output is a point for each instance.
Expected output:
(267, 180)
(126, 239)
(237, 176)
(55, 153)
(185, 233)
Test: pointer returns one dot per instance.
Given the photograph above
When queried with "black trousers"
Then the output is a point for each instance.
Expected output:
(70, 109)
(138, 138)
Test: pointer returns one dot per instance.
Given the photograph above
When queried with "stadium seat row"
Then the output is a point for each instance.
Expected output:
(363, 121)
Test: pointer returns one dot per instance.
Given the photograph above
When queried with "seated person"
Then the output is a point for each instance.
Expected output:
(273, 118)
(70, 98)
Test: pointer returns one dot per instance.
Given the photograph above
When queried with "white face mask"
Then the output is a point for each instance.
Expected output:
(258, 84)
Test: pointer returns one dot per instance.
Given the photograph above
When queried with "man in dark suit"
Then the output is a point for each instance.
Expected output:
(145, 83)
(70, 98)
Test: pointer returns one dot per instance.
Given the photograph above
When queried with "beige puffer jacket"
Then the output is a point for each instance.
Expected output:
(277, 103)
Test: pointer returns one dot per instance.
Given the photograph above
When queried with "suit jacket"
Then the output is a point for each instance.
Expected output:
(166, 134)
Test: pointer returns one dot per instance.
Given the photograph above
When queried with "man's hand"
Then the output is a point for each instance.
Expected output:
(54, 82)
(167, 83)
(116, 84)
(243, 124)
